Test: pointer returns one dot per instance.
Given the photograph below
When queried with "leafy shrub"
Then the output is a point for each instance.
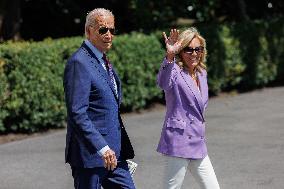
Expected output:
(260, 70)
(137, 58)
(32, 97)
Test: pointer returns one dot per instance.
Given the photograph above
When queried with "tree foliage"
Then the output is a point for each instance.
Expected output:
(38, 19)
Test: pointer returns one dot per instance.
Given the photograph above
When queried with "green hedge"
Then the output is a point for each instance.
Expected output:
(137, 58)
(240, 56)
(225, 65)
(244, 56)
(275, 36)
(34, 87)
(32, 97)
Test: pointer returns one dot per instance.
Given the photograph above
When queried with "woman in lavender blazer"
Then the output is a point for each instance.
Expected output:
(183, 78)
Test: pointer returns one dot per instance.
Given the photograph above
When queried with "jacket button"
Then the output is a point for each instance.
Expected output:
(189, 137)
(202, 137)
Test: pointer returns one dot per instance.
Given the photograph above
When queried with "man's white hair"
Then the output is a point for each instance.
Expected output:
(93, 15)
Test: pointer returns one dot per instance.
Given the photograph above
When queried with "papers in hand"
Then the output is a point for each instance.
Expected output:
(131, 166)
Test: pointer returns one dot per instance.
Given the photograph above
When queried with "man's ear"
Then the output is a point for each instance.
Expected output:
(87, 29)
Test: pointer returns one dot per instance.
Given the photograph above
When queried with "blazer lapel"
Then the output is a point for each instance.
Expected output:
(203, 88)
(193, 87)
(101, 69)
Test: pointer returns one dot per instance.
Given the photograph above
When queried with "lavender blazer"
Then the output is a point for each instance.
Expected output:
(183, 133)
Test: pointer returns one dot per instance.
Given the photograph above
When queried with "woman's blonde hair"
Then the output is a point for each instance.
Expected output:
(185, 38)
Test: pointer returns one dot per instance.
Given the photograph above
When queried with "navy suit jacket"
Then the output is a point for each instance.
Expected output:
(93, 116)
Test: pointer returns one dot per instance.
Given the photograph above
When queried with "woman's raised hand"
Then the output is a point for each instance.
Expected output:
(171, 42)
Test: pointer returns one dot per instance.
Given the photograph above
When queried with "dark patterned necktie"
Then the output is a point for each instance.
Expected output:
(109, 71)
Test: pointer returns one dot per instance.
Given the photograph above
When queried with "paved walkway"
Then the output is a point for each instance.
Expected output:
(245, 136)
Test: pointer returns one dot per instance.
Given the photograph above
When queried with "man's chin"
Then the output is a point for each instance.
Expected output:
(108, 46)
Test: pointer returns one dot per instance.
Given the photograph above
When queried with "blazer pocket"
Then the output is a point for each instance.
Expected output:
(176, 123)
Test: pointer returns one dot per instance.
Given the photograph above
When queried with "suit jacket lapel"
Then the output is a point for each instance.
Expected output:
(101, 69)
(118, 83)
(193, 87)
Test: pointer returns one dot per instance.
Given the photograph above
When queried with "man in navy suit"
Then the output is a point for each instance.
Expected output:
(97, 145)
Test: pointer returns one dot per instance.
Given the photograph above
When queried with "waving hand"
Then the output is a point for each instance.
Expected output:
(172, 43)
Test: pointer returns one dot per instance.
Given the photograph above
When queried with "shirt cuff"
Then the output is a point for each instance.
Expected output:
(170, 62)
(102, 151)
(166, 63)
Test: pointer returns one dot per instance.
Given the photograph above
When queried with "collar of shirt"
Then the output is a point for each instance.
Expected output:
(97, 53)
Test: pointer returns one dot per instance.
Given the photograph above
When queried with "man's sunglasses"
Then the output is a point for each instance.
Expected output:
(189, 50)
(104, 30)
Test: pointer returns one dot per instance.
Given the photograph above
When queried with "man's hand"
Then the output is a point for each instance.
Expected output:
(110, 161)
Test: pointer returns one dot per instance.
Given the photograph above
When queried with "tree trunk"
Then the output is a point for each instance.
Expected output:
(11, 20)
(237, 10)
(243, 12)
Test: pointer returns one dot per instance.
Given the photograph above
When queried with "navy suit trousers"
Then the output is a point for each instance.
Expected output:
(94, 178)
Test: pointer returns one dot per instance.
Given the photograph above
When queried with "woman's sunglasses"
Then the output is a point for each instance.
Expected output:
(189, 50)
(104, 30)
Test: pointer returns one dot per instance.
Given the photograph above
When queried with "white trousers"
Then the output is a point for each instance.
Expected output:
(201, 169)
